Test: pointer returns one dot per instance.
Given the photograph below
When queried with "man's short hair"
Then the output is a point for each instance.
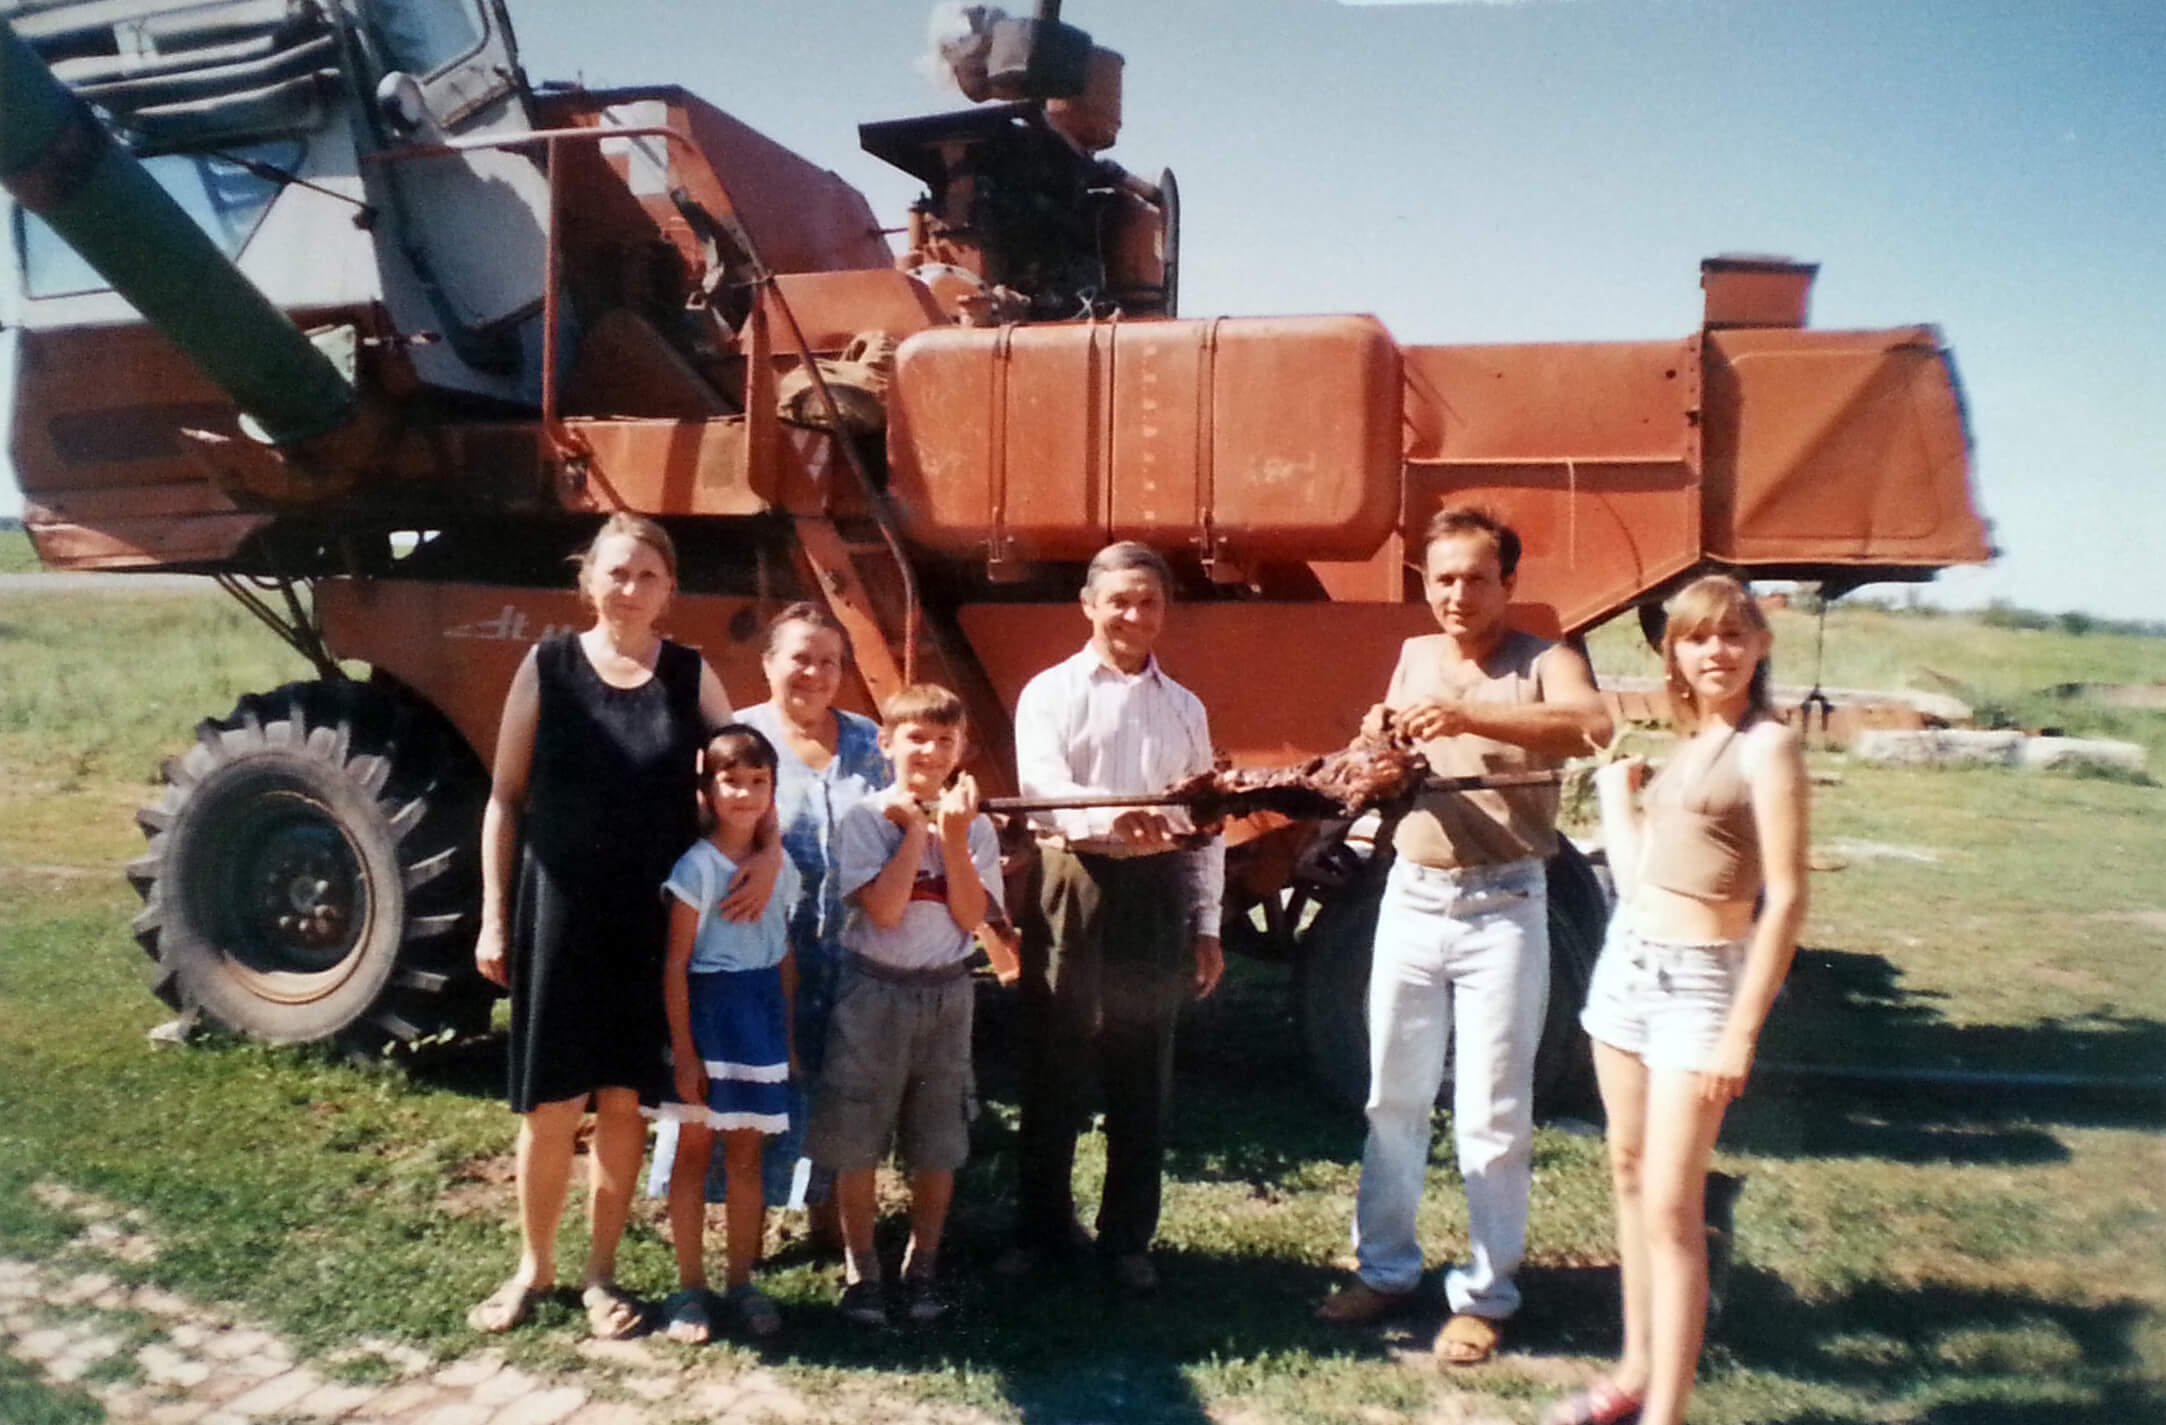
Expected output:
(1454, 520)
(924, 702)
(1125, 555)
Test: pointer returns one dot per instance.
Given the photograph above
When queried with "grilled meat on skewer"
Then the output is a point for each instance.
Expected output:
(1371, 771)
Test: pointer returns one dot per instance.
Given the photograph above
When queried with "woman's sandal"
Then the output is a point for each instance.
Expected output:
(612, 1312)
(1603, 1403)
(689, 1322)
(506, 1307)
(1467, 1340)
(754, 1309)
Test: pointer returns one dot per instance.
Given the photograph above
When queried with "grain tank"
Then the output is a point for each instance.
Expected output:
(325, 300)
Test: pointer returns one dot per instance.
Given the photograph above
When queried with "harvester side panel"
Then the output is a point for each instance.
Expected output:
(1283, 681)
(1590, 450)
(1838, 448)
(97, 447)
(799, 216)
(458, 644)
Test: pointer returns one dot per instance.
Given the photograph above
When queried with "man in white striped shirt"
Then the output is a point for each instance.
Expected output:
(1129, 917)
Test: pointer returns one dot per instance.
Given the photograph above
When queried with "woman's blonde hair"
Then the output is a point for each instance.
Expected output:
(1699, 608)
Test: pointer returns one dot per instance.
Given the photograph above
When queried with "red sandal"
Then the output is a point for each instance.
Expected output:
(1603, 1403)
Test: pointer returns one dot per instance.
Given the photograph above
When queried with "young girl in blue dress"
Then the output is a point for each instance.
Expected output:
(727, 987)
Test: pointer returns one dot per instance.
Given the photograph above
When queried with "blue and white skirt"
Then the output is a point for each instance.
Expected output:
(739, 1026)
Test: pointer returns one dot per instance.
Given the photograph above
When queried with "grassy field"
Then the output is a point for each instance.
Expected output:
(1943, 1257)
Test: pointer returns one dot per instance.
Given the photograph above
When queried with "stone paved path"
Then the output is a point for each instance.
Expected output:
(150, 1357)
(199, 1364)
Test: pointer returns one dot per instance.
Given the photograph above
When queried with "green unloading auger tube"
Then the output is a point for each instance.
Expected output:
(60, 163)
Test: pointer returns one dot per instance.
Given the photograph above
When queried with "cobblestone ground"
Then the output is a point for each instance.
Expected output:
(196, 1363)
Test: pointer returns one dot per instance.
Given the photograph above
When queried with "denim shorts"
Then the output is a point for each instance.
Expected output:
(1663, 1000)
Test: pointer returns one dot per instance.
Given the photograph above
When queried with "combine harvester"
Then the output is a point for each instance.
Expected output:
(323, 299)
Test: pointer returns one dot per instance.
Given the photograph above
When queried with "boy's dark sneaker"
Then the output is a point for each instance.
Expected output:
(864, 1303)
(925, 1300)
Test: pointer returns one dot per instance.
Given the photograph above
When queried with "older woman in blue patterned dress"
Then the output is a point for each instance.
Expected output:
(829, 761)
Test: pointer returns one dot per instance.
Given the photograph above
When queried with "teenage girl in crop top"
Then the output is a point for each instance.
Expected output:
(1710, 873)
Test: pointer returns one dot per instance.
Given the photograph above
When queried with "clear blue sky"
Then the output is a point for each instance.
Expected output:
(1555, 169)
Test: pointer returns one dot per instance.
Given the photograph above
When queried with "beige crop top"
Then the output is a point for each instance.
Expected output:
(1699, 833)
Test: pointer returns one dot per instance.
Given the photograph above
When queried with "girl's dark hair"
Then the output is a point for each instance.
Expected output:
(734, 744)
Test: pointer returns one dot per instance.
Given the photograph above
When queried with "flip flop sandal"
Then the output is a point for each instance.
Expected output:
(612, 1312)
(1603, 1403)
(1467, 1340)
(506, 1307)
(755, 1311)
(690, 1322)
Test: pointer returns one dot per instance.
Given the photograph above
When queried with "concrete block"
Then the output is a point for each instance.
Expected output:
(1938, 748)
(2066, 754)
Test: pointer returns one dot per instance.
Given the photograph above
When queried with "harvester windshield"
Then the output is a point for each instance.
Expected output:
(226, 199)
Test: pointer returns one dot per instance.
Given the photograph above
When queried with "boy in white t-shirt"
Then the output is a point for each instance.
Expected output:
(919, 866)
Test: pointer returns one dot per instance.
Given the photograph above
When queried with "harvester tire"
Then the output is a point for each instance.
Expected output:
(313, 871)
(1331, 987)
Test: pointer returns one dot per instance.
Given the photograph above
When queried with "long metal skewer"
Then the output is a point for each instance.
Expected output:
(999, 806)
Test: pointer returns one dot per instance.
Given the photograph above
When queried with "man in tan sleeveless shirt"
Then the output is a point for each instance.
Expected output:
(1462, 937)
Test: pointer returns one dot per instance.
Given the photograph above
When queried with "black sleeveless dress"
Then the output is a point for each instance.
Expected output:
(609, 808)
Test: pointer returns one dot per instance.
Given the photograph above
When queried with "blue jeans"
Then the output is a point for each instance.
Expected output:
(1462, 954)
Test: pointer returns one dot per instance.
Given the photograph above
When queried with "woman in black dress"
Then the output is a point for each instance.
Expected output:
(593, 797)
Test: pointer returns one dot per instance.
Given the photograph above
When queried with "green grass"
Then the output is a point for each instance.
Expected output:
(101, 685)
(17, 555)
(28, 1399)
(1931, 1257)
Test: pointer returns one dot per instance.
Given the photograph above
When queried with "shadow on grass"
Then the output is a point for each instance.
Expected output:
(1844, 1011)
(1064, 1347)
(1974, 1355)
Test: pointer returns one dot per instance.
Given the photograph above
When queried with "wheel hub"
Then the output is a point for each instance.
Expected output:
(296, 898)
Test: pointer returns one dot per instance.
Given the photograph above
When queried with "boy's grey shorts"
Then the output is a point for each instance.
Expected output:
(1661, 1000)
(897, 1071)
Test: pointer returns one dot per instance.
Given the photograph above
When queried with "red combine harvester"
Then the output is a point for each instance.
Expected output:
(321, 298)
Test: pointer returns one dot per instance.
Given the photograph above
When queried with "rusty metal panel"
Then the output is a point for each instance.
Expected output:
(105, 406)
(457, 645)
(1234, 656)
(659, 467)
(1589, 450)
(1623, 400)
(1263, 438)
(1160, 429)
(1756, 292)
(1305, 430)
(1837, 448)
(1595, 536)
(139, 543)
(833, 307)
(800, 216)
(665, 467)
